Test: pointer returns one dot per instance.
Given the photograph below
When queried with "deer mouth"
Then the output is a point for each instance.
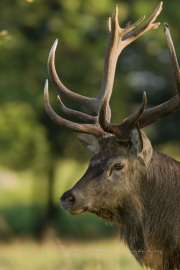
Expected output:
(78, 211)
(75, 211)
(69, 203)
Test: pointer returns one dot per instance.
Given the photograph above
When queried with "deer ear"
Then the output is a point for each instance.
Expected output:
(141, 146)
(89, 141)
(137, 142)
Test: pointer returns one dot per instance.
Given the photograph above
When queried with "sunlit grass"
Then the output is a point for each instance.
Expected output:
(62, 255)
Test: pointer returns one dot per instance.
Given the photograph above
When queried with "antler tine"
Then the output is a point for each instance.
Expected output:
(91, 103)
(119, 38)
(131, 36)
(82, 128)
(154, 114)
(173, 58)
(82, 116)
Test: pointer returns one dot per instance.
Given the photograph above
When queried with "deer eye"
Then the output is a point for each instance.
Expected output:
(118, 166)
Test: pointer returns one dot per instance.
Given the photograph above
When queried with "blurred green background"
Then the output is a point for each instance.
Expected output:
(40, 160)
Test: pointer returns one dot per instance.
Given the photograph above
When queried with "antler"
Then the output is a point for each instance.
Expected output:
(154, 114)
(118, 39)
(143, 117)
(82, 128)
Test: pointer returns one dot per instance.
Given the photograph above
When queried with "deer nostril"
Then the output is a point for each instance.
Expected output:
(70, 201)
(67, 201)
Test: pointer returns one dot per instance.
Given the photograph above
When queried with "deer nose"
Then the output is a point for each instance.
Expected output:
(67, 200)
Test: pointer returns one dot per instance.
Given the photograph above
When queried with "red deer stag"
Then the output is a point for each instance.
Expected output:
(127, 181)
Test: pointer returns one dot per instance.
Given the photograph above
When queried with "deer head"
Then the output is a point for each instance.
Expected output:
(121, 152)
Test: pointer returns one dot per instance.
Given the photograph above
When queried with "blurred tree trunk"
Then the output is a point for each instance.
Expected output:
(47, 219)
(51, 209)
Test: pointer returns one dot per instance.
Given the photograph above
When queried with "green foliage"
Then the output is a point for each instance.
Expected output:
(170, 148)
(23, 142)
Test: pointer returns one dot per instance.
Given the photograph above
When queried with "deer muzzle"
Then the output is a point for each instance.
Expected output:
(70, 203)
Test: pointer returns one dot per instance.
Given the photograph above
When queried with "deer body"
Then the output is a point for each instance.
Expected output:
(127, 181)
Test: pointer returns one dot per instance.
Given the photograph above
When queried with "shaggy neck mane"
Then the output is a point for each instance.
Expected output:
(147, 228)
(161, 197)
(162, 169)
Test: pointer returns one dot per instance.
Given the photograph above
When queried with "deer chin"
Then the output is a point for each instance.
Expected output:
(77, 211)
